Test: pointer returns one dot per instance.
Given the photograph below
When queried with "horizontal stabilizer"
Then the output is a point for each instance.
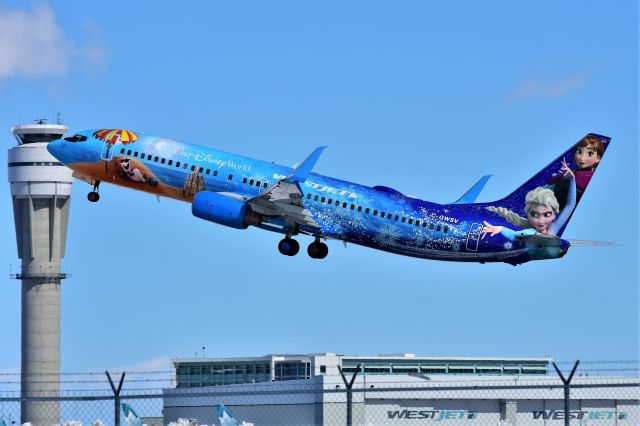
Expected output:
(473, 192)
(583, 243)
(302, 172)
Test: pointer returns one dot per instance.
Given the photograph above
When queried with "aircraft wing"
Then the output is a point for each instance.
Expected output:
(284, 198)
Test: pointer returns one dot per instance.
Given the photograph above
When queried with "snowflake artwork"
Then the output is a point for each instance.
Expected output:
(387, 235)
(508, 245)
(456, 246)
(418, 239)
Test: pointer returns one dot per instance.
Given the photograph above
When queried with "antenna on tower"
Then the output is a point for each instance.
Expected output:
(58, 118)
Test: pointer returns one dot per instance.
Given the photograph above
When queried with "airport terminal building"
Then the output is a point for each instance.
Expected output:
(392, 389)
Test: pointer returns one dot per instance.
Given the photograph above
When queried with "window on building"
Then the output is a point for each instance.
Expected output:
(323, 368)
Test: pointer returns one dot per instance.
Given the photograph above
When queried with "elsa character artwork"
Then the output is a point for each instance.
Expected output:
(544, 216)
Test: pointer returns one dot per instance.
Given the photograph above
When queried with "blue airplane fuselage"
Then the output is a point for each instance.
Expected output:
(378, 217)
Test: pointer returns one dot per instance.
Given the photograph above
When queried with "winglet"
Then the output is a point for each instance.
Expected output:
(302, 172)
(473, 192)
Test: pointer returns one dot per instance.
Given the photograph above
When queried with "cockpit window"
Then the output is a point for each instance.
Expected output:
(76, 138)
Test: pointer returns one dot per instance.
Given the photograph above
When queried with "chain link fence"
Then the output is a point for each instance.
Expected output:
(412, 399)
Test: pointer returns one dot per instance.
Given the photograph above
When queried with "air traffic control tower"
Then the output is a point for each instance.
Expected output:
(41, 194)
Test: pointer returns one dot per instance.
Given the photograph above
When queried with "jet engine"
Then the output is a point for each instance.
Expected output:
(224, 210)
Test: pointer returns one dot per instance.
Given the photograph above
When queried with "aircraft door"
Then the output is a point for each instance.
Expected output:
(473, 238)
(107, 151)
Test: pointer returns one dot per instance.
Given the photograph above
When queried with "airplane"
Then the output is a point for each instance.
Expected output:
(238, 192)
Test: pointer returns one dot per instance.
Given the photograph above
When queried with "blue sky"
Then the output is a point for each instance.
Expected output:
(424, 97)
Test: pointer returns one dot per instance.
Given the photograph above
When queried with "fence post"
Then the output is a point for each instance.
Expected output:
(567, 386)
(349, 385)
(116, 397)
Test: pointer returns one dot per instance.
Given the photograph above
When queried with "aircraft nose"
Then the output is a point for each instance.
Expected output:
(56, 147)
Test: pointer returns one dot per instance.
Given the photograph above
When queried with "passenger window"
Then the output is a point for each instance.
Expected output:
(438, 228)
(129, 152)
(337, 203)
(170, 162)
(308, 196)
(424, 224)
(445, 230)
(230, 177)
(404, 219)
(330, 201)
(193, 168)
(208, 171)
(431, 226)
(264, 185)
(366, 210)
(359, 208)
(215, 173)
(155, 159)
(397, 217)
(178, 164)
(135, 154)
(185, 165)
(244, 180)
(410, 221)
(322, 199)
(122, 151)
(200, 170)
(344, 205)
(162, 160)
(315, 198)
(251, 182)
(375, 212)
(353, 206)
(258, 184)
(142, 156)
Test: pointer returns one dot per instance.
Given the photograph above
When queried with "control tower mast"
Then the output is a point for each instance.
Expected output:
(41, 191)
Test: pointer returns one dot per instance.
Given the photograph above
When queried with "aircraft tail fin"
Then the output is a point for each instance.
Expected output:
(559, 186)
(130, 416)
(225, 416)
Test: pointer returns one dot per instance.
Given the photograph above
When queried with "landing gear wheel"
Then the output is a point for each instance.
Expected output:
(93, 196)
(317, 250)
(288, 247)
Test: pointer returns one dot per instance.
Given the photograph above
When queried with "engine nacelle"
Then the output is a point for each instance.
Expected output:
(224, 210)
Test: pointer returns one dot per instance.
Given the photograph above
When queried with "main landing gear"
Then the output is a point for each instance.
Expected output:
(290, 247)
(93, 196)
(317, 250)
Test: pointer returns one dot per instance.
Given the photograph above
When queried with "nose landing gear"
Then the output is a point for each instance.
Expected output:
(317, 250)
(93, 196)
